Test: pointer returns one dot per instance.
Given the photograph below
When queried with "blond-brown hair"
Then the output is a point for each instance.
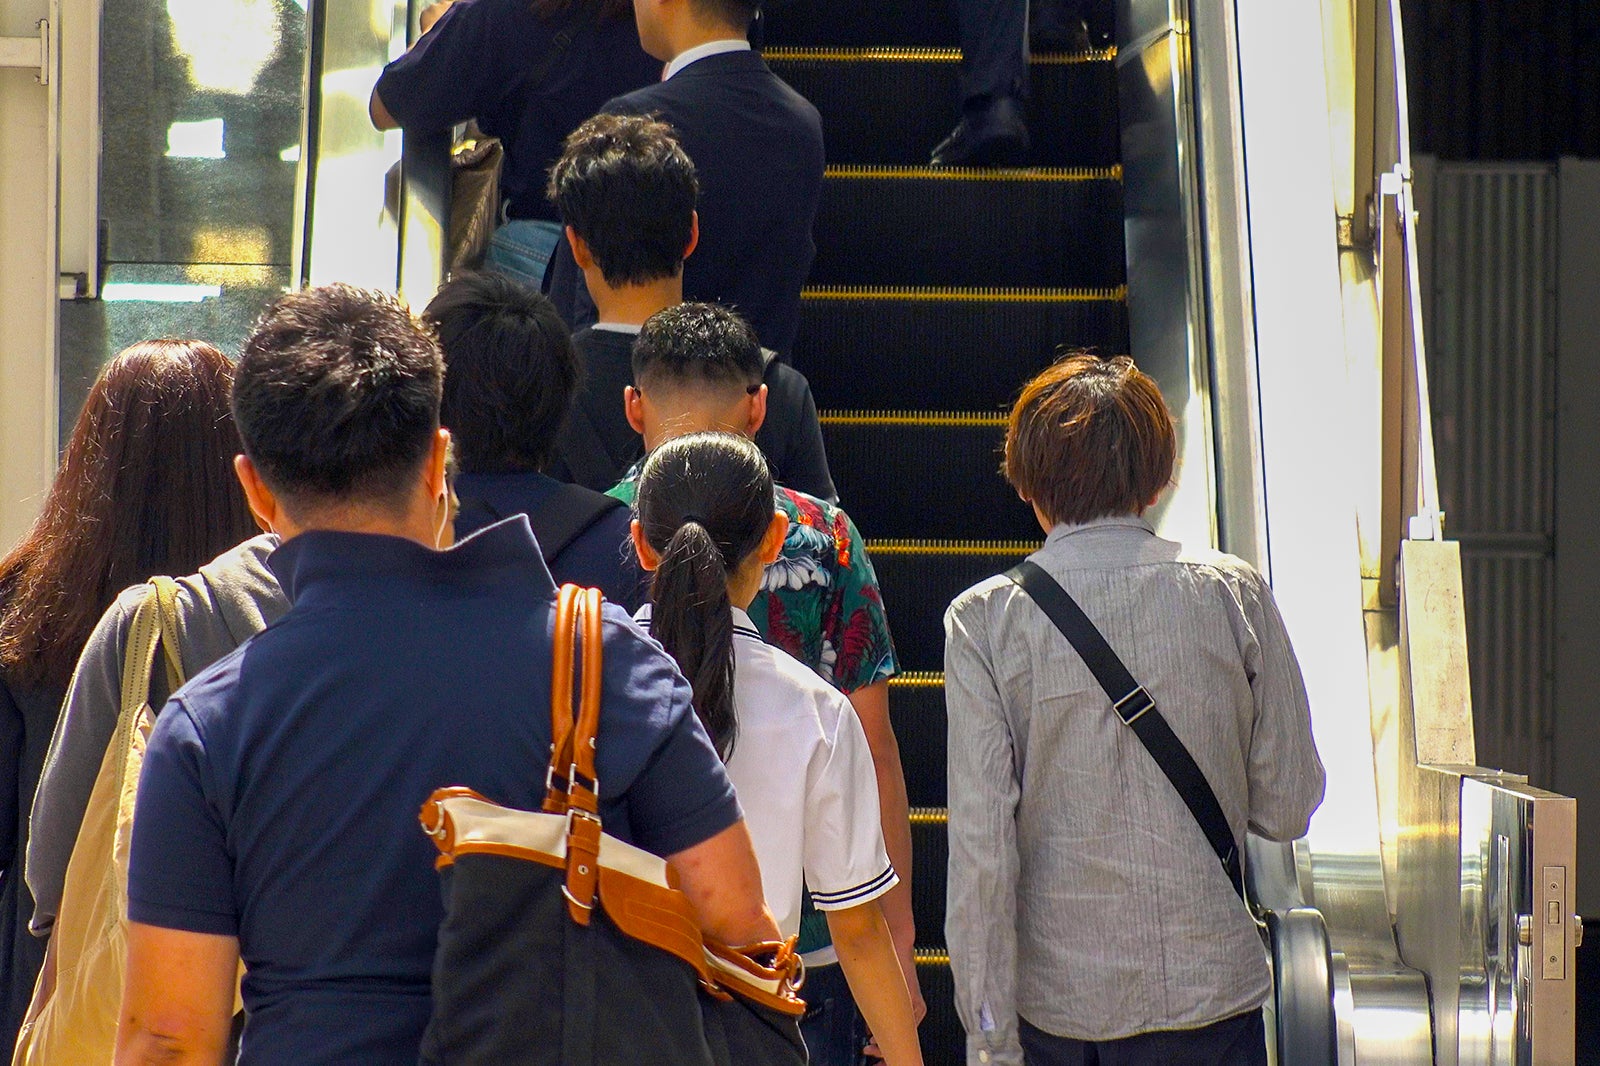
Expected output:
(1090, 438)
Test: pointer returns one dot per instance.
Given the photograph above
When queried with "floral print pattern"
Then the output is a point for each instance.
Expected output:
(820, 600)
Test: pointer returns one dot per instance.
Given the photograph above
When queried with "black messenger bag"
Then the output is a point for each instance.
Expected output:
(562, 946)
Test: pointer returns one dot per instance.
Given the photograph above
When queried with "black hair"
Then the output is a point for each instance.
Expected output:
(697, 344)
(510, 372)
(336, 395)
(626, 187)
(705, 501)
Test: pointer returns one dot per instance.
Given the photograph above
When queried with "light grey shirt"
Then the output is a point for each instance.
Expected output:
(1082, 894)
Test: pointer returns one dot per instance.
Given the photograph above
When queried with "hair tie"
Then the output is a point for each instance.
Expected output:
(696, 519)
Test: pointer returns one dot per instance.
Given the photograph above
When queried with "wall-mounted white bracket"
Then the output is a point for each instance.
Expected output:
(32, 52)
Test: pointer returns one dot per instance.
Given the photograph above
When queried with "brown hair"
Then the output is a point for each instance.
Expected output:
(145, 487)
(1089, 438)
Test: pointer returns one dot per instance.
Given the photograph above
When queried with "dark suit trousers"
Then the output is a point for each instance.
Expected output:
(1237, 1041)
(994, 45)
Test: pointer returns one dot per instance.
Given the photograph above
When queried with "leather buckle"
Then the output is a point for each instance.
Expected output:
(1134, 706)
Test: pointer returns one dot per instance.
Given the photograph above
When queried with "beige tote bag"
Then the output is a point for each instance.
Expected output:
(72, 1020)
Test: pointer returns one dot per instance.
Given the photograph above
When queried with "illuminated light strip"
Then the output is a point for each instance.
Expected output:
(157, 292)
(953, 295)
(930, 816)
(995, 174)
(932, 957)
(924, 419)
(917, 679)
(984, 548)
(923, 55)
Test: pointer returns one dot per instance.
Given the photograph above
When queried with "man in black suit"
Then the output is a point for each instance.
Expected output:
(757, 146)
(626, 192)
(994, 76)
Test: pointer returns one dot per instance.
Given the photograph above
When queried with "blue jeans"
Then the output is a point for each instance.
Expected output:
(833, 1028)
(522, 248)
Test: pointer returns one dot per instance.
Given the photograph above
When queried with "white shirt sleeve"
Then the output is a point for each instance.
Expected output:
(846, 863)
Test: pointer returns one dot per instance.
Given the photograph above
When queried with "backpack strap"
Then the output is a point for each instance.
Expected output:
(1138, 712)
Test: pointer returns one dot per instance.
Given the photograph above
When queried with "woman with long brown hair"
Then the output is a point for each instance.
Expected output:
(145, 487)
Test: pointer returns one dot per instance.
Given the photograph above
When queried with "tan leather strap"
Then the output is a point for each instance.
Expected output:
(561, 717)
(583, 789)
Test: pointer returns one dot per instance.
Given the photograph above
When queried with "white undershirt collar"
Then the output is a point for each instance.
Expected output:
(617, 327)
(701, 51)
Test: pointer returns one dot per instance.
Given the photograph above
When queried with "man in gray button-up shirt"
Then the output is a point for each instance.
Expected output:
(1084, 899)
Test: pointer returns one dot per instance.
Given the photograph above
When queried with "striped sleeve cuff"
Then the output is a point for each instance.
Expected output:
(854, 897)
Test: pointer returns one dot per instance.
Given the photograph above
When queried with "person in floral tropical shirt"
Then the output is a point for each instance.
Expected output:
(697, 367)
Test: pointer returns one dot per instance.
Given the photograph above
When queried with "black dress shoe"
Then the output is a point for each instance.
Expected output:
(991, 134)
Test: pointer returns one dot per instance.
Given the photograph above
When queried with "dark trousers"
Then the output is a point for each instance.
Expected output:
(1237, 1041)
(994, 46)
(833, 1027)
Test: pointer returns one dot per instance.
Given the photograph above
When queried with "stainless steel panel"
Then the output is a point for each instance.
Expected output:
(1166, 292)
(1517, 992)
(349, 205)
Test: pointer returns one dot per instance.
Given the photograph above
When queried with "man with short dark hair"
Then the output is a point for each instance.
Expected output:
(757, 145)
(277, 811)
(626, 192)
(819, 601)
(510, 373)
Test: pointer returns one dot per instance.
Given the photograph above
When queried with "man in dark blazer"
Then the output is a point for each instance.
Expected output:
(757, 146)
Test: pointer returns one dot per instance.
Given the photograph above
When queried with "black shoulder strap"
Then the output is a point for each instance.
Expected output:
(1137, 710)
(566, 515)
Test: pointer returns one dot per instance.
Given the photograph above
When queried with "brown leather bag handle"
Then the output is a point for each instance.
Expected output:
(571, 785)
(561, 716)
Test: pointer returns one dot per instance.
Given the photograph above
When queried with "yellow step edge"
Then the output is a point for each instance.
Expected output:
(940, 294)
(854, 172)
(984, 548)
(924, 419)
(932, 957)
(918, 679)
(923, 55)
(930, 816)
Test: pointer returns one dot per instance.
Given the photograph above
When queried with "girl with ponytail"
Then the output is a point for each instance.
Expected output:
(706, 525)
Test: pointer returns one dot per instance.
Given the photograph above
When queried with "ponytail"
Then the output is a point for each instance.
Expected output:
(693, 620)
(704, 502)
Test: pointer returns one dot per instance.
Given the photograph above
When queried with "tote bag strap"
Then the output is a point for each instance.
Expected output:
(571, 783)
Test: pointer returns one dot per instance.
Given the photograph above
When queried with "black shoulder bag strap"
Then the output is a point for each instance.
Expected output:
(1138, 711)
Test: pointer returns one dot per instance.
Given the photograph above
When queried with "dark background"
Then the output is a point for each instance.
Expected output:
(1503, 79)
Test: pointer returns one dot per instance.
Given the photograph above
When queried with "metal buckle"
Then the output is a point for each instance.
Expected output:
(1134, 706)
(577, 779)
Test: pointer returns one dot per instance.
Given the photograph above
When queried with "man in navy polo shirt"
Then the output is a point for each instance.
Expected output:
(276, 817)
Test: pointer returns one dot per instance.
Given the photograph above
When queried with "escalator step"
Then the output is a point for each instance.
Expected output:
(828, 22)
(946, 348)
(916, 709)
(907, 226)
(943, 1039)
(920, 578)
(930, 856)
(892, 470)
(1071, 114)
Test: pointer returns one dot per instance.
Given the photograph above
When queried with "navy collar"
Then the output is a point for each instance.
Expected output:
(354, 568)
